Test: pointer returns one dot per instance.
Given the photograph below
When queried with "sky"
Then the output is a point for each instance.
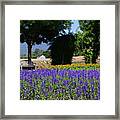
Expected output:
(44, 46)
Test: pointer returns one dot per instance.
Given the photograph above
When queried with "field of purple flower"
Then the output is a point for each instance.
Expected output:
(60, 84)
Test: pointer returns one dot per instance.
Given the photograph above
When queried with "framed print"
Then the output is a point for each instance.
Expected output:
(60, 60)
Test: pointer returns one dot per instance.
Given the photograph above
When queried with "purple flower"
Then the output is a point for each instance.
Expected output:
(90, 74)
(55, 81)
(50, 88)
(43, 84)
(92, 89)
(80, 82)
(65, 82)
(84, 89)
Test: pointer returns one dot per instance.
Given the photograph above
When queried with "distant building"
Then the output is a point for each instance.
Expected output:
(42, 58)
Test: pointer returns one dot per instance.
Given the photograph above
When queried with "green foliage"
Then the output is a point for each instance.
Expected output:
(38, 31)
(47, 53)
(23, 56)
(62, 49)
(88, 40)
(78, 44)
(39, 52)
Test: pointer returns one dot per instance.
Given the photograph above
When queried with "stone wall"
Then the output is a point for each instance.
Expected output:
(81, 59)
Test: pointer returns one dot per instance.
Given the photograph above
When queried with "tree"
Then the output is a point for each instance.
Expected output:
(62, 49)
(39, 52)
(78, 44)
(88, 40)
(37, 31)
(47, 53)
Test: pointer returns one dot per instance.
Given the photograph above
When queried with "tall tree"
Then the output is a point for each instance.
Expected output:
(37, 31)
(62, 49)
(88, 40)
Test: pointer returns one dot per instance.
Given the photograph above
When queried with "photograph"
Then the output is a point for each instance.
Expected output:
(59, 59)
(57, 56)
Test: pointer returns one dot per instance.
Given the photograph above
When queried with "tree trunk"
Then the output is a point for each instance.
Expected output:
(29, 53)
(63, 53)
(94, 59)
